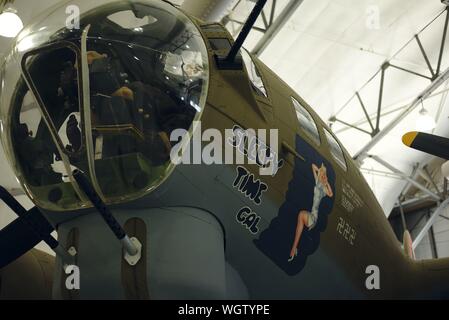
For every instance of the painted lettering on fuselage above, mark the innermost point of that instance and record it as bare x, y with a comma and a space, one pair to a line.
257, 151
249, 219
346, 231
247, 184
251, 187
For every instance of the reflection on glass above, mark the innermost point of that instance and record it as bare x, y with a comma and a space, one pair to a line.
147, 78
253, 73
111, 112
54, 75
336, 150
306, 122
133, 114
38, 156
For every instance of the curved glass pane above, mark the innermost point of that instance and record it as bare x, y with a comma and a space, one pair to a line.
136, 103
336, 150
111, 93
306, 122
38, 157
254, 75
54, 77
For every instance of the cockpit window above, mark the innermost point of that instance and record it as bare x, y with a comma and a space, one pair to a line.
306, 122
336, 150
105, 100
254, 74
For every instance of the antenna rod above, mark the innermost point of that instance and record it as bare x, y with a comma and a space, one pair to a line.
104, 211
246, 30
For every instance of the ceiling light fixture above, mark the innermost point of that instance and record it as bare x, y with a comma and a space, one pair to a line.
425, 122
10, 22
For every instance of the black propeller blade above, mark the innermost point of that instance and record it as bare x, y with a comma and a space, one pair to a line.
429, 143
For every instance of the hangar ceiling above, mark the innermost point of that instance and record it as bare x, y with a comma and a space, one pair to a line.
328, 50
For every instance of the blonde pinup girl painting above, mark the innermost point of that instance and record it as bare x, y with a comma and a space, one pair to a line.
310, 218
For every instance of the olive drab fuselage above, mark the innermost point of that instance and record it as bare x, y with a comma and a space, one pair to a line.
312, 229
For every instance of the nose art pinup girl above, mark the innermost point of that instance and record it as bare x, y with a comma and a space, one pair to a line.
310, 219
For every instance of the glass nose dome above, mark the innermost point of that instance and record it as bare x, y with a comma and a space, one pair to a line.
102, 96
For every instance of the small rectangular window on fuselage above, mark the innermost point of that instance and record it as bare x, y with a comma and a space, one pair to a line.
336, 150
220, 44
306, 122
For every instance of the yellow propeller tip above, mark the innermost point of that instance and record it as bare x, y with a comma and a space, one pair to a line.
409, 137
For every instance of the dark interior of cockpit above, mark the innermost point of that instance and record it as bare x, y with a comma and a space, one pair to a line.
135, 104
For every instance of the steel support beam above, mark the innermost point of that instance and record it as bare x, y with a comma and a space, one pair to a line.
445, 189
439, 211
441, 79
424, 172
403, 220
414, 176
406, 177
426, 58
442, 104
364, 111
273, 10
242, 24
415, 200
265, 20
436, 77
391, 109
276, 26
411, 72
443, 41
381, 93
423, 216
350, 125
380, 173
267, 23
433, 243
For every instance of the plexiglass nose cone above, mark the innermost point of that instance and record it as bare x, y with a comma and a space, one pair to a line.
103, 98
